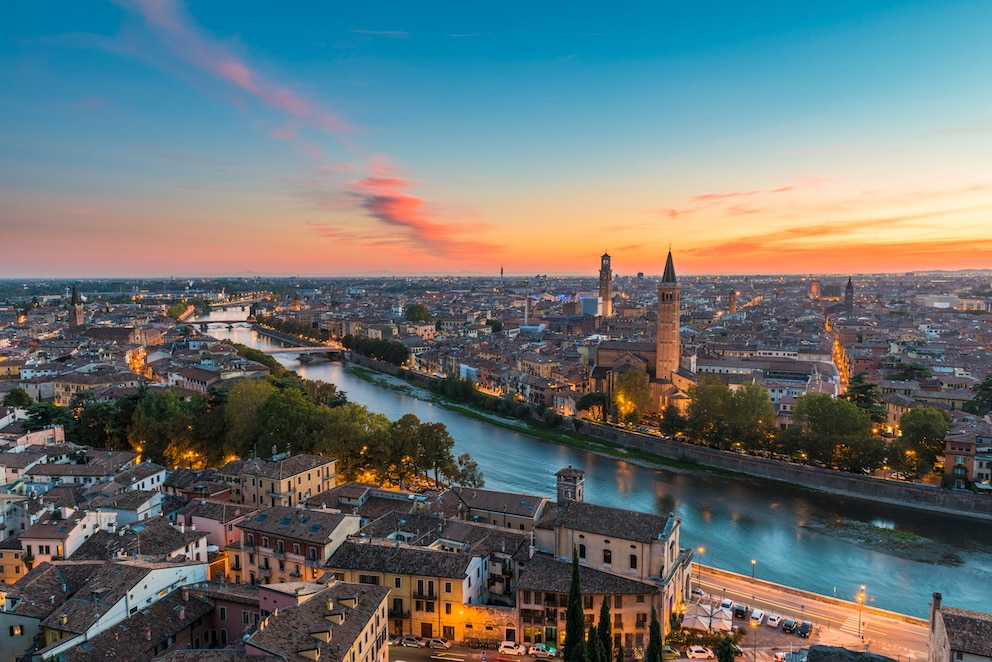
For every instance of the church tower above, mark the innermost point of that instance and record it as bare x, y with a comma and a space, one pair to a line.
606, 285
849, 295
571, 485
669, 344
75, 309
732, 301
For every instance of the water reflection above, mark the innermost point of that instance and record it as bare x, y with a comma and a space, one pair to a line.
787, 530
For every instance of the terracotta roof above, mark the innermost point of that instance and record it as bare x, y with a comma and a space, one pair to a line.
544, 573
296, 523
399, 559
291, 631
968, 631
612, 522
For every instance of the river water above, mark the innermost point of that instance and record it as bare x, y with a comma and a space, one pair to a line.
735, 521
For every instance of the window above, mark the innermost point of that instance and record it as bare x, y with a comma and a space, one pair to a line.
280, 546
587, 602
368, 579
607, 557
265, 541
447, 587
526, 597
223, 613
397, 582
640, 599
244, 617
251, 539
17, 630
447, 608
633, 561
296, 548
582, 551
618, 602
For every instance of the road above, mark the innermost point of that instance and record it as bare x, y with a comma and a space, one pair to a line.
840, 623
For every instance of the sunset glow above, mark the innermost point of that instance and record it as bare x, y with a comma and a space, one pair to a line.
161, 137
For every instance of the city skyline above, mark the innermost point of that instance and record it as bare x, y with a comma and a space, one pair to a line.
157, 137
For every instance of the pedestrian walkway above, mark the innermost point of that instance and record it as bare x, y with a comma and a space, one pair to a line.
853, 626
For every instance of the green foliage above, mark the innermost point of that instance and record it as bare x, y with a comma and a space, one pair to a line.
981, 400
866, 396
604, 631
923, 431
176, 310
910, 371
655, 641
632, 395
752, 416
42, 415
468, 473
594, 402
17, 397
295, 328
276, 369
390, 351
494, 324
575, 628
707, 415
417, 312
672, 421
724, 650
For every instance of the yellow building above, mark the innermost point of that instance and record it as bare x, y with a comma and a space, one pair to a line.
285, 482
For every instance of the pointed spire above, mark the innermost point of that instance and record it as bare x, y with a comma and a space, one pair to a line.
74, 301
669, 275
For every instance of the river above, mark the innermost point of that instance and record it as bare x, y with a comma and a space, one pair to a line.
735, 521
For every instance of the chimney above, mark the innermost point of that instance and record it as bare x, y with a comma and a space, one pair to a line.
185, 594
934, 608
148, 634
182, 613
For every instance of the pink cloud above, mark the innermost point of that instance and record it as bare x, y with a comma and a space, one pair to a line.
167, 21
739, 194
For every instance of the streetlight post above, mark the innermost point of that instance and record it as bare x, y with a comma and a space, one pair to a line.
754, 562
699, 567
754, 645
861, 611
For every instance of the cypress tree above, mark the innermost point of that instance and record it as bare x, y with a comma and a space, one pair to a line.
653, 652
575, 625
605, 630
594, 647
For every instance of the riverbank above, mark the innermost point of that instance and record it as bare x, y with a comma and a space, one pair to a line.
651, 451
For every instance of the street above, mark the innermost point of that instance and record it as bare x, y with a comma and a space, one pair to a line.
834, 623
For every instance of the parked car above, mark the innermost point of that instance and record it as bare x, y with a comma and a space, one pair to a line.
412, 640
789, 625
394, 639
773, 620
699, 652
438, 642
757, 616
805, 630
740, 611
727, 604
539, 651
699, 592
512, 648
669, 653
738, 651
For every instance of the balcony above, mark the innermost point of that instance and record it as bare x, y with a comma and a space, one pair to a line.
279, 554
394, 613
419, 595
265, 571
314, 563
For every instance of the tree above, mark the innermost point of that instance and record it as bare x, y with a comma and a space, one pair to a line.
494, 324
709, 407
417, 312
434, 446
284, 422
653, 652
981, 399
865, 395
42, 415
575, 624
594, 647
632, 395
604, 630
468, 473
176, 310
672, 421
724, 650
910, 372
17, 397
241, 415
923, 431
752, 415
594, 403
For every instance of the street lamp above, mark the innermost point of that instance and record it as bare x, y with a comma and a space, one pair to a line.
754, 562
861, 611
754, 650
699, 567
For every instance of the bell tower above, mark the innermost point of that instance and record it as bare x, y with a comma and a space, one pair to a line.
606, 285
76, 313
669, 351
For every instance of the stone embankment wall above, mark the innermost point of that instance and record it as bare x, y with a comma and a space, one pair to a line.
913, 495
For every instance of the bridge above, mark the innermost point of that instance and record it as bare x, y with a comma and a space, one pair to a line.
203, 324
237, 302
325, 349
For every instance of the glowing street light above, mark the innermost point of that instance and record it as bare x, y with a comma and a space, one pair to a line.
754, 651
754, 562
861, 611
699, 567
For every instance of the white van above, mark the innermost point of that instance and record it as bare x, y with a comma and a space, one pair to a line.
757, 616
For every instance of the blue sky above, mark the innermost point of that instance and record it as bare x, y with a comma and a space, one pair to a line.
162, 137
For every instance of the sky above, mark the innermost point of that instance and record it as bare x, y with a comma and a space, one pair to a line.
165, 137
